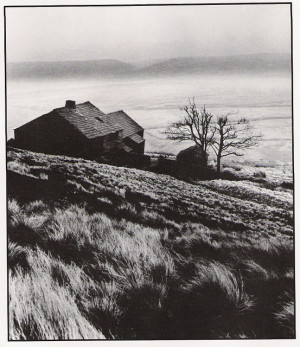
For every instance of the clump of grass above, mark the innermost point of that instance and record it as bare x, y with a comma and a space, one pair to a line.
216, 300
26, 229
259, 174
40, 309
36, 207
144, 312
285, 318
254, 271
17, 257
13, 209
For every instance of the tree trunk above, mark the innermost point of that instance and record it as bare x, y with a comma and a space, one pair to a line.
219, 155
205, 157
218, 163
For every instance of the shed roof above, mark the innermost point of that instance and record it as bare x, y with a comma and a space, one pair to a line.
136, 138
128, 125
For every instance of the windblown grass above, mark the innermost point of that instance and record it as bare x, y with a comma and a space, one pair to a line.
102, 252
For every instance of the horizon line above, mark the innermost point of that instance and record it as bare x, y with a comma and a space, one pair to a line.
150, 59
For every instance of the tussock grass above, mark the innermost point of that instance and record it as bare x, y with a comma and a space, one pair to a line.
17, 257
285, 318
104, 252
41, 309
216, 300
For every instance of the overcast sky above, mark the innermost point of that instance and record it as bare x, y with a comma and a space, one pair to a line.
142, 33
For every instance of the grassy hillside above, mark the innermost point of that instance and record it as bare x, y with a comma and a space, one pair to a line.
97, 251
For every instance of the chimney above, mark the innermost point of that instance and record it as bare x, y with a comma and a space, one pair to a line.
70, 104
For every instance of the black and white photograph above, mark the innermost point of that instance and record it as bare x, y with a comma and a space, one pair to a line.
149, 171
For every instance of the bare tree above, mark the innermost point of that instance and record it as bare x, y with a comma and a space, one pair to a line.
232, 138
195, 126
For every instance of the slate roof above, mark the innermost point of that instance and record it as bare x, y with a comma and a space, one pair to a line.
136, 138
92, 122
128, 125
89, 120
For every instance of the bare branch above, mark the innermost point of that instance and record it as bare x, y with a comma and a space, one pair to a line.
233, 137
223, 135
195, 126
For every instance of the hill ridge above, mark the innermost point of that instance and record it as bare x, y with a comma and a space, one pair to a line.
244, 63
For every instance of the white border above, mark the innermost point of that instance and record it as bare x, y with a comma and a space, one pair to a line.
3, 282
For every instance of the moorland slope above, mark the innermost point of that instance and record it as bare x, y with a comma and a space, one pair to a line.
97, 251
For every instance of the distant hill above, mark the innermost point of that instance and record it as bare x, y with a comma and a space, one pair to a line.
253, 63
236, 63
59, 69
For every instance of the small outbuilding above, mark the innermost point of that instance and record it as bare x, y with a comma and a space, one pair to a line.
192, 162
81, 130
192, 156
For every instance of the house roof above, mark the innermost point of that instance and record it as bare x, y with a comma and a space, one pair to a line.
92, 122
128, 125
89, 120
136, 138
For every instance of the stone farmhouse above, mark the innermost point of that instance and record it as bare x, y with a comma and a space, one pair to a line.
81, 130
